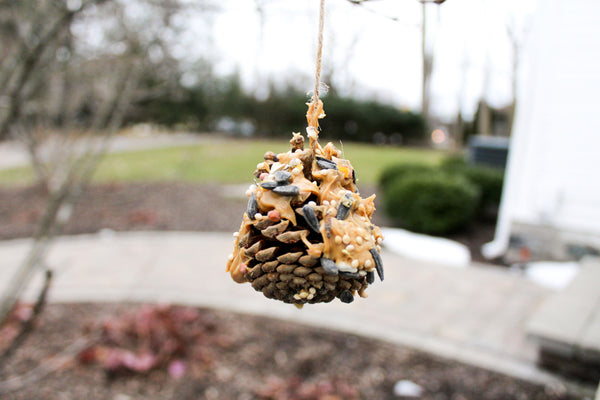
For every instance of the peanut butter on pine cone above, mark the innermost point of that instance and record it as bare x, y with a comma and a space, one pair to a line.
306, 234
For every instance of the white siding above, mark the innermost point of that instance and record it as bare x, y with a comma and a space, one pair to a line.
553, 174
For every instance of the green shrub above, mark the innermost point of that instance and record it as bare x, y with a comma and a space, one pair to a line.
359, 120
399, 171
433, 203
489, 181
452, 163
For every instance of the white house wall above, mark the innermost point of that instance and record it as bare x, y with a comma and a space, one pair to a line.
553, 173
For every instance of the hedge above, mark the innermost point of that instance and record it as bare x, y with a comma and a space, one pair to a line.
433, 203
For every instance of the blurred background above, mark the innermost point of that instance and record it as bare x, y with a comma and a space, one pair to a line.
221, 65
130, 130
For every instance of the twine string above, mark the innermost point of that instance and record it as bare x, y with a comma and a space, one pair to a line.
315, 107
319, 52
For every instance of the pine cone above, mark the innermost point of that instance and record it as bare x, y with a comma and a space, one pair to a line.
306, 235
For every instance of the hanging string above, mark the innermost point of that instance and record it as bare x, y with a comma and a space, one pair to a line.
319, 51
315, 107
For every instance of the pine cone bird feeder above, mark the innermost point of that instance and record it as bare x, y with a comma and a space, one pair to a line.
306, 235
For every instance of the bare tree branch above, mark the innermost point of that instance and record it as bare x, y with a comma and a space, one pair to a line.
29, 63
77, 175
47, 367
102, 87
28, 325
362, 3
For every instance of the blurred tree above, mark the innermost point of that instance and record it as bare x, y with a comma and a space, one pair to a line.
69, 73
427, 54
427, 69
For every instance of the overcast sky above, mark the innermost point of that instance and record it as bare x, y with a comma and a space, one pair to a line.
372, 55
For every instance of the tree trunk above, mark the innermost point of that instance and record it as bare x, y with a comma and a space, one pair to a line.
427, 69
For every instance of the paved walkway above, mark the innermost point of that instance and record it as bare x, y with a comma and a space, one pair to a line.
476, 314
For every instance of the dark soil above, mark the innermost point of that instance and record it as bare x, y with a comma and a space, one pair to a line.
247, 358
165, 206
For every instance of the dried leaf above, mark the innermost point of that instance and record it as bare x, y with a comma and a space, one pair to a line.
177, 369
155, 336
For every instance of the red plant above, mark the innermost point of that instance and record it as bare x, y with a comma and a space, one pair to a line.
295, 388
152, 337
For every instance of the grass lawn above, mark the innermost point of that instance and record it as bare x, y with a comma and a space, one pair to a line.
228, 161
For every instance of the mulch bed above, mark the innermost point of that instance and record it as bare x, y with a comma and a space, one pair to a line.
165, 206
246, 357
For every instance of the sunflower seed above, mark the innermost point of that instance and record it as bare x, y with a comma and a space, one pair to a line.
345, 205
329, 266
351, 275
268, 185
324, 163
282, 177
370, 277
346, 297
252, 207
287, 190
378, 263
310, 217
328, 228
